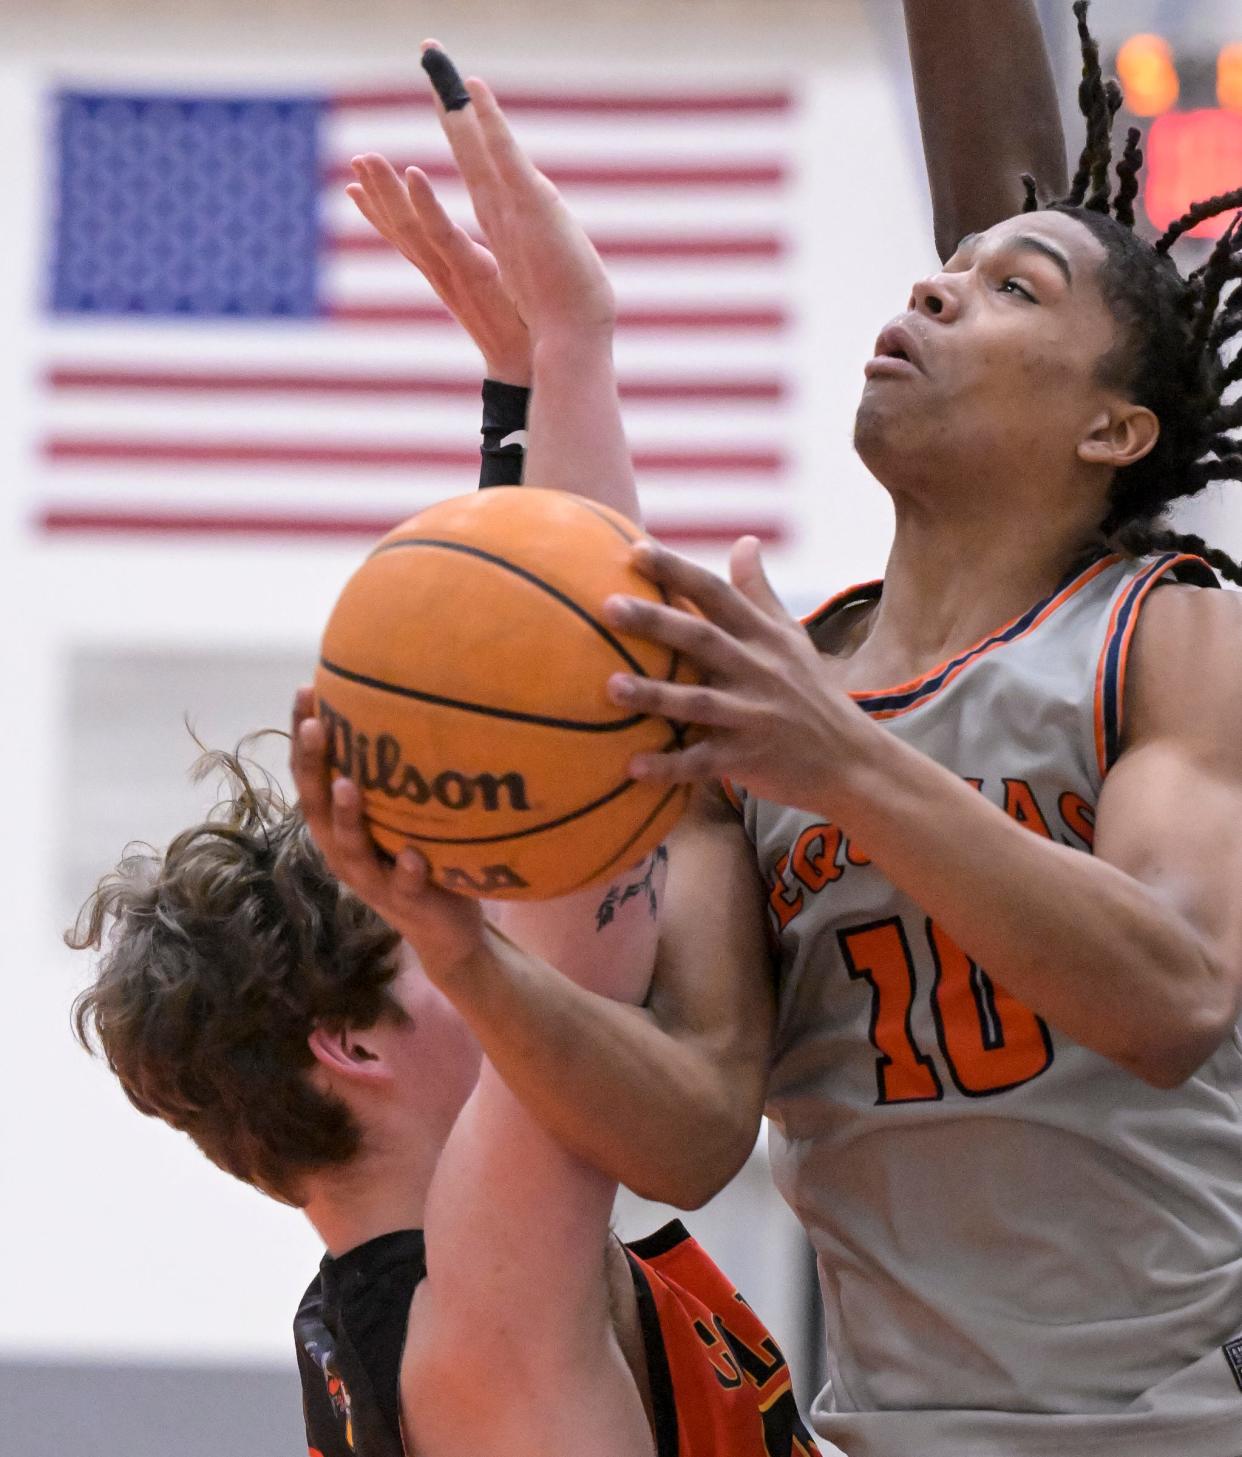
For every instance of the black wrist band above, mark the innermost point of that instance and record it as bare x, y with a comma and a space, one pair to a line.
504, 417
444, 77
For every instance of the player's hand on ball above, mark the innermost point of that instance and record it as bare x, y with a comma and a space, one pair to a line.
444, 929
463, 273
776, 724
547, 262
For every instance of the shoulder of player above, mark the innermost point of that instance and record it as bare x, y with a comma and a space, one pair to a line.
1184, 677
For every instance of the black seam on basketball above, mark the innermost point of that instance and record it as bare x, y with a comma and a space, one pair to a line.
573, 725
498, 561
608, 521
675, 657
638, 833
576, 814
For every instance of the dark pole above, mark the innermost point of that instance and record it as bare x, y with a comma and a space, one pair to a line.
812, 1369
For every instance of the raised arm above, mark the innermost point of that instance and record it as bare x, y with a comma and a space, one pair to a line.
559, 287
511, 1345
407, 213
537, 301
666, 1099
987, 109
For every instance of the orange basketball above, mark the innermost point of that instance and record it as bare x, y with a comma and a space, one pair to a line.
462, 685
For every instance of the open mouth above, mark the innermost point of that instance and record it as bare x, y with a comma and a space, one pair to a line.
892, 361
895, 352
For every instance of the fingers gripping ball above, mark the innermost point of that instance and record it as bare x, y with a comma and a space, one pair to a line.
462, 686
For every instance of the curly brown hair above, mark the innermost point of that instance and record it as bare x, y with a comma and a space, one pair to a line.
219, 957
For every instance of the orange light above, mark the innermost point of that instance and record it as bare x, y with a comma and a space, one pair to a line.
1192, 155
1229, 78
1148, 75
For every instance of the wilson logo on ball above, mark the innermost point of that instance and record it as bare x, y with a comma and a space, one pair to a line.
380, 765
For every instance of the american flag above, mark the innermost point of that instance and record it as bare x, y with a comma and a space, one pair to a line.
229, 349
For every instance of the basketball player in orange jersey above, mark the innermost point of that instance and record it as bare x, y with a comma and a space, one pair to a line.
1022, 1182
472, 1298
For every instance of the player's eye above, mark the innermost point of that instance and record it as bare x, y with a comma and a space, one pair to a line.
1011, 285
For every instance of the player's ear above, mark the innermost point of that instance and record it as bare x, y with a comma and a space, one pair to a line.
346, 1052
1120, 436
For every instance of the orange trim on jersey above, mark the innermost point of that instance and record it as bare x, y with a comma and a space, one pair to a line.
936, 679
838, 599
731, 794
1110, 674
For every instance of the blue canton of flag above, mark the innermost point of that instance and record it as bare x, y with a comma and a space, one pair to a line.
200, 206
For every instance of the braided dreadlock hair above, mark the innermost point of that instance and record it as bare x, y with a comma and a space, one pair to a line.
1176, 358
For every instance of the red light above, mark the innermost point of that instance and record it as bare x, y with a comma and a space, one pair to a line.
1192, 155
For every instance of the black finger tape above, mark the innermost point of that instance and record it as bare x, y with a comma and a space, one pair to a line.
445, 78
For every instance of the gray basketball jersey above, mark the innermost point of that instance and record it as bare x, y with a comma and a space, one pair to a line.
1023, 1249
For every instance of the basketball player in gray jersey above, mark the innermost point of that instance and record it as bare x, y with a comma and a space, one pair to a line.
996, 802
989, 810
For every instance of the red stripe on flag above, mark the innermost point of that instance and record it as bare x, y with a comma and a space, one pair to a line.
312, 382
368, 457
609, 174
764, 316
586, 103
705, 247
64, 520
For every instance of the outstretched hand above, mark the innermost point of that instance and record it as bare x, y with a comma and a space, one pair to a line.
463, 273
444, 929
777, 725
548, 265
540, 276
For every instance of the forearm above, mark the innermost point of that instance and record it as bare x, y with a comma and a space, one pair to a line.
988, 110
602, 1076
1093, 950
576, 441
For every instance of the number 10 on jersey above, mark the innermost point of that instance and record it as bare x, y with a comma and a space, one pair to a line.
990, 1041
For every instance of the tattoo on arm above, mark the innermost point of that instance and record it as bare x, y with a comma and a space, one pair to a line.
618, 895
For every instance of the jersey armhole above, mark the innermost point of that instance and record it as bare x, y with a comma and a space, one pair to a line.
1110, 677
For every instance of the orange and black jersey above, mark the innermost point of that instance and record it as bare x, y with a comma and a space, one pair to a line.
720, 1386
